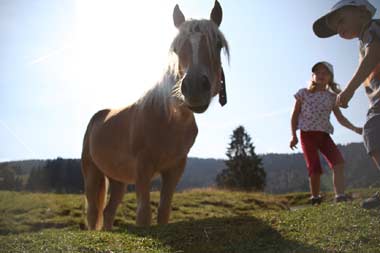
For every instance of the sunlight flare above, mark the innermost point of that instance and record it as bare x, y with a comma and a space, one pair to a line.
122, 48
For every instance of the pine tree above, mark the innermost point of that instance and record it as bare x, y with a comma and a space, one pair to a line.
9, 180
244, 168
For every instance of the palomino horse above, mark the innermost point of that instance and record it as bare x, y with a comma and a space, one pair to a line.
154, 135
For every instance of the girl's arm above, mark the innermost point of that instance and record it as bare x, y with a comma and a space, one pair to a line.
294, 122
366, 66
345, 122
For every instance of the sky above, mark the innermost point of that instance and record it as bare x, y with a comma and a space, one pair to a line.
62, 61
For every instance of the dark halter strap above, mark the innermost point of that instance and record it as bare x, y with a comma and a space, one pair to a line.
222, 91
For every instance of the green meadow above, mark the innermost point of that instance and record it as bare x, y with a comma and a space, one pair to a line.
202, 220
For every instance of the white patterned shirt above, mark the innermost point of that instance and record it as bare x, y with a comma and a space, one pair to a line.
316, 108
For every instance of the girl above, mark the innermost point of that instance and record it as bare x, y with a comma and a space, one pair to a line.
311, 115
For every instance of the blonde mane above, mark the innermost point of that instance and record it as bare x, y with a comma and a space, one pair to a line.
161, 96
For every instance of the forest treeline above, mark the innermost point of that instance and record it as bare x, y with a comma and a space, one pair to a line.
284, 173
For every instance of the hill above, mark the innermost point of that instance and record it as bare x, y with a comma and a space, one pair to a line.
285, 172
204, 220
22, 167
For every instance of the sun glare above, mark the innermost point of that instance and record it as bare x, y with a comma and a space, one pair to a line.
122, 48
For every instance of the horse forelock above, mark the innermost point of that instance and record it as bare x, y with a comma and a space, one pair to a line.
205, 27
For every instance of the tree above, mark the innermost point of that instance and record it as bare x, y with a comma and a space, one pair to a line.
244, 168
9, 180
37, 181
57, 175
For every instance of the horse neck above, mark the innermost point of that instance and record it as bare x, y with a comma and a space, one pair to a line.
160, 101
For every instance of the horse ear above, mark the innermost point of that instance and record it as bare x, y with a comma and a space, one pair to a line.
216, 13
178, 16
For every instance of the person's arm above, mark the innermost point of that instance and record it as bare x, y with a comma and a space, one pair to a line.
366, 66
294, 122
345, 122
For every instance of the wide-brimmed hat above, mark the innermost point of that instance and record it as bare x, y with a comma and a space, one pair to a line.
329, 66
323, 30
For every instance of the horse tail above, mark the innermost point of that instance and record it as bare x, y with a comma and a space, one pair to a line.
102, 199
95, 182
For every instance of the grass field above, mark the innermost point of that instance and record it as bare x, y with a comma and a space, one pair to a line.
205, 220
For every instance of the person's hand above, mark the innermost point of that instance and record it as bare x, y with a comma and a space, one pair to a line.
293, 142
358, 130
343, 98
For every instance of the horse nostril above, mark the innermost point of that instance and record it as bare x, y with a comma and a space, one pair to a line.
206, 86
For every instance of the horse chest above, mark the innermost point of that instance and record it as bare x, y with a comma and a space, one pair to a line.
165, 144
176, 141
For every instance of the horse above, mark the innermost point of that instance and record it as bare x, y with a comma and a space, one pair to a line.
153, 136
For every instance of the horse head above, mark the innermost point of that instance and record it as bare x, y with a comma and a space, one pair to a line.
198, 47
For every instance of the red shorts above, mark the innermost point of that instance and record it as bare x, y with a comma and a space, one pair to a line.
311, 142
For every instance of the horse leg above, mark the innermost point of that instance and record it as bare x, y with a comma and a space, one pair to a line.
169, 180
117, 190
96, 190
143, 212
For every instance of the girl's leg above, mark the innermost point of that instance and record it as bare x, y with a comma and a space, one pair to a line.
371, 137
309, 144
338, 179
315, 184
374, 201
336, 162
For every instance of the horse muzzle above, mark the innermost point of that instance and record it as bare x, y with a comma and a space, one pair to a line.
196, 90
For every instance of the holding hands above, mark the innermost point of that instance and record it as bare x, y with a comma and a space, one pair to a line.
344, 97
342, 100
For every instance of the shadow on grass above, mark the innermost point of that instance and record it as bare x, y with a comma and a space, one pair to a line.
229, 234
